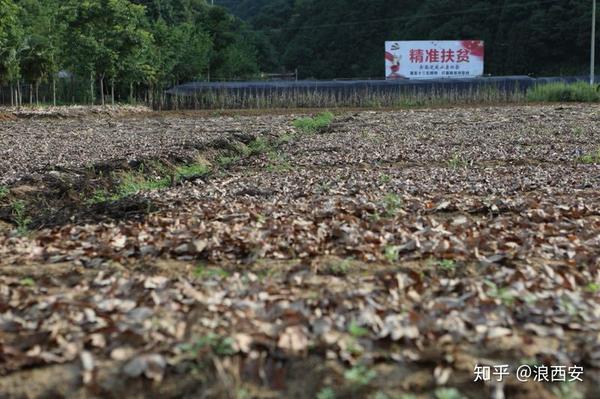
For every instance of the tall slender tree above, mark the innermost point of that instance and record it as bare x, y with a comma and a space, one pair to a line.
11, 48
42, 29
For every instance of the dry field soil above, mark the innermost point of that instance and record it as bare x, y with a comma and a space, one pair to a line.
237, 255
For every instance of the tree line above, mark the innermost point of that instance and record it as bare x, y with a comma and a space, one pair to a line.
345, 38
120, 48
127, 49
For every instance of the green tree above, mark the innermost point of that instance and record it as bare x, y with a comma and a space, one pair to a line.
11, 48
103, 36
196, 41
180, 53
42, 41
184, 51
234, 53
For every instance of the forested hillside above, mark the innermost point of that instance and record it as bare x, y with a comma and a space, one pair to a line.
344, 38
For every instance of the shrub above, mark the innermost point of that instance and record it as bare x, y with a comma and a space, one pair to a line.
19, 213
134, 182
191, 170
312, 125
227, 161
326, 393
391, 253
564, 92
446, 264
3, 192
257, 146
591, 158
359, 375
457, 161
340, 267
392, 203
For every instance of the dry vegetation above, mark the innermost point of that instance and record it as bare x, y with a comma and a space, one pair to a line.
381, 255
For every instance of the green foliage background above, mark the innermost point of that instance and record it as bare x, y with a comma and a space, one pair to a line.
344, 38
152, 44
122, 43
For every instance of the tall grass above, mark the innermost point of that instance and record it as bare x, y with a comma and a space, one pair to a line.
563, 92
77, 92
359, 98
